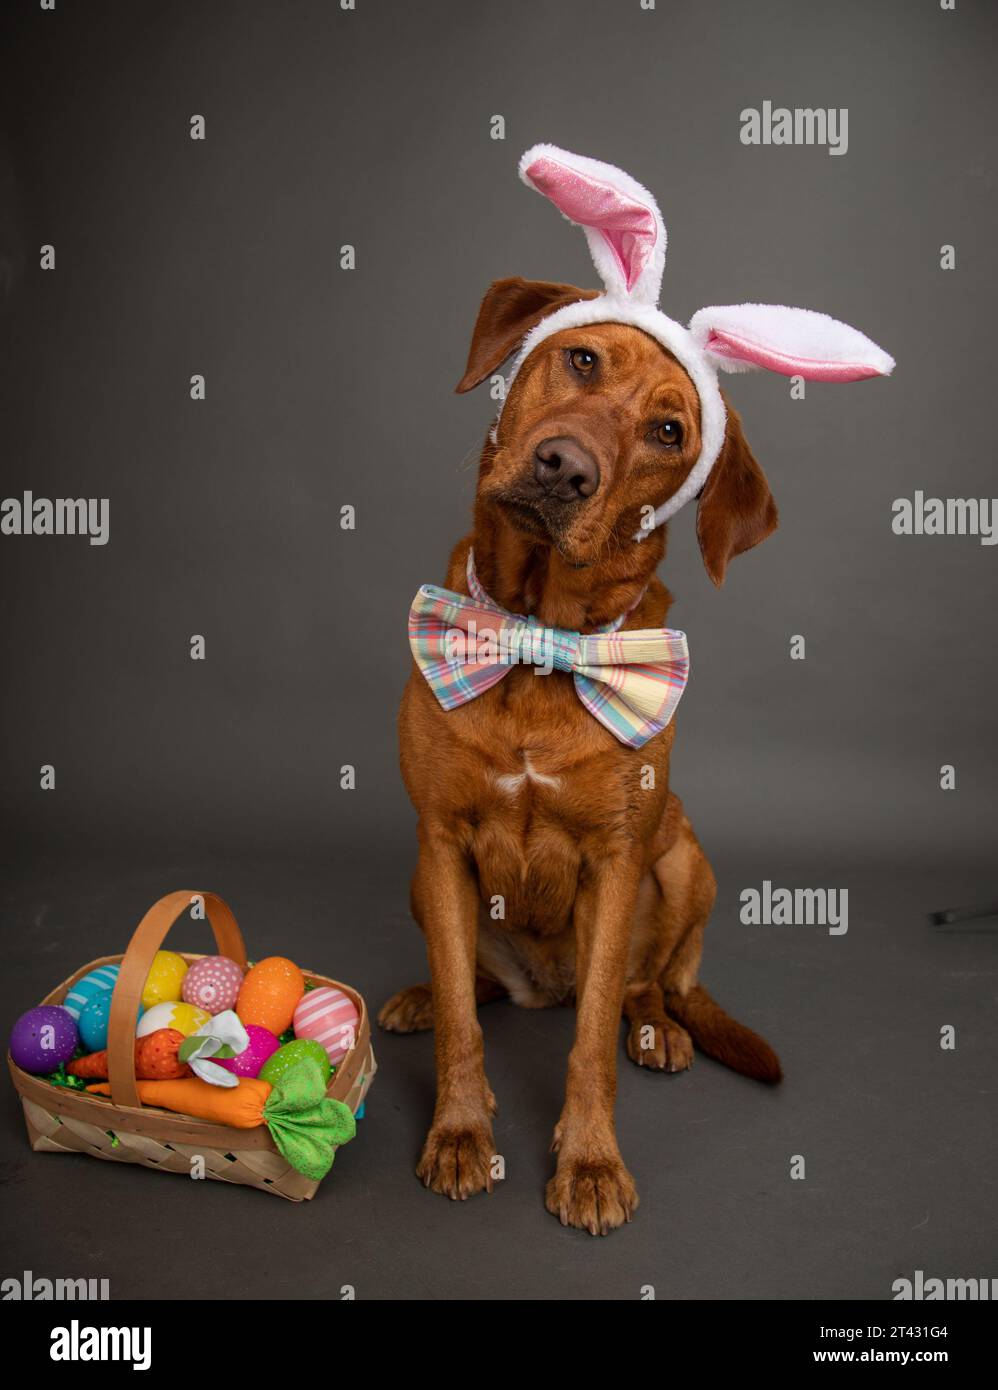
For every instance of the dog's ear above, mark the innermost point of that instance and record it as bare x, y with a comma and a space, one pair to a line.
736, 508
509, 311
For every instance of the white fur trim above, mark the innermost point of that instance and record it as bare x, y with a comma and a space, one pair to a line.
677, 340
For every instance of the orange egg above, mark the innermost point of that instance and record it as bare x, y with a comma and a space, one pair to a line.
269, 994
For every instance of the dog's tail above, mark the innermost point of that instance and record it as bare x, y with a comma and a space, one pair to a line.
721, 1037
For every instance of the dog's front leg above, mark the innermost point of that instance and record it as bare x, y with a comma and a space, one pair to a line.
459, 1151
591, 1187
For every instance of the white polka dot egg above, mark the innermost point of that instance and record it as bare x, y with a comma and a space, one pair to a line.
213, 983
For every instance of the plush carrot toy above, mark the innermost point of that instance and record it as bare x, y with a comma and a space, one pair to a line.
155, 1059
307, 1125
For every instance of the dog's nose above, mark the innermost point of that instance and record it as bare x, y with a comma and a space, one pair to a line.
565, 469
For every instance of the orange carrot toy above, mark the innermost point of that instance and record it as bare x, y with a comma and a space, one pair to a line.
155, 1058
240, 1105
307, 1125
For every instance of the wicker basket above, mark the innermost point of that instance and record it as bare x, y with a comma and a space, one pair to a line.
123, 1130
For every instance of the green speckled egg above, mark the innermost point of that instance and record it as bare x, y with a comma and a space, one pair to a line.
286, 1056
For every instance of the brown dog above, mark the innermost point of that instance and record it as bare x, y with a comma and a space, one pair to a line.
524, 798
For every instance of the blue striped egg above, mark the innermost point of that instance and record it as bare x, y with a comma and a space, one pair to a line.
103, 978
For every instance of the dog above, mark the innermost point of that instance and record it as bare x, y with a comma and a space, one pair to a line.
556, 864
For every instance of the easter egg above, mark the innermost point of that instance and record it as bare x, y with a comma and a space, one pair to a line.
275, 1067
269, 994
43, 1038
329, 1017
172, 1014
165, 979
99, 981
262, 1044
213, 983
94, 1020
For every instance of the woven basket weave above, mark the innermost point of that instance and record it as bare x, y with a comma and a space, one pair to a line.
121, 1129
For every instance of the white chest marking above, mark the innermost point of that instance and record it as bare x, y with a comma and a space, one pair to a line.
511, 782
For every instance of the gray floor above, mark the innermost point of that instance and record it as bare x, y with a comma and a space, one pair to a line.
898, 1136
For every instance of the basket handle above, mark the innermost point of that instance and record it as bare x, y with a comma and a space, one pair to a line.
136, 963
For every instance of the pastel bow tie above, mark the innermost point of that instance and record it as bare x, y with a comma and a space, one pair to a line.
630, 681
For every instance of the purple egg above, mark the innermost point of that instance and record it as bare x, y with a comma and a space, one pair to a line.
262, 1044
42, 1038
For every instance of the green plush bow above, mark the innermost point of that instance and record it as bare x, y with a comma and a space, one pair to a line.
307, 1125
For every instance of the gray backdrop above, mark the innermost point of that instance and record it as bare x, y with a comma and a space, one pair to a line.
327, 387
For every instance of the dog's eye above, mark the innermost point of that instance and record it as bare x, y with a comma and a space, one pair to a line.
582, 360
670, 433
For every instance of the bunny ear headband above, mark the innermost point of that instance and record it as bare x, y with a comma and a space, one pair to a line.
626, 237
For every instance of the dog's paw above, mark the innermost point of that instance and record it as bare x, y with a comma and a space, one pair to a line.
409, 1011
458, 1162
670, 1049
593, 1194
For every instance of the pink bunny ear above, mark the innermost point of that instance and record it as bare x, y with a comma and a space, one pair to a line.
793, 342
621, 219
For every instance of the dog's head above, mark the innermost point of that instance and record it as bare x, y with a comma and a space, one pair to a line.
601, 426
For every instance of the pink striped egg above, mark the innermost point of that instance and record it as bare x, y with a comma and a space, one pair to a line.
329, 1017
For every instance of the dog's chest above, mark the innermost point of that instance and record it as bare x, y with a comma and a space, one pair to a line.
544, 756
511, 784
527, 853
535, 789
548, 793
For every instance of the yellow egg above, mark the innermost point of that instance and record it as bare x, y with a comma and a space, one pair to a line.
165, 980
186, 1018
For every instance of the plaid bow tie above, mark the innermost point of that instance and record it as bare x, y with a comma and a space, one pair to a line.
630, 681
